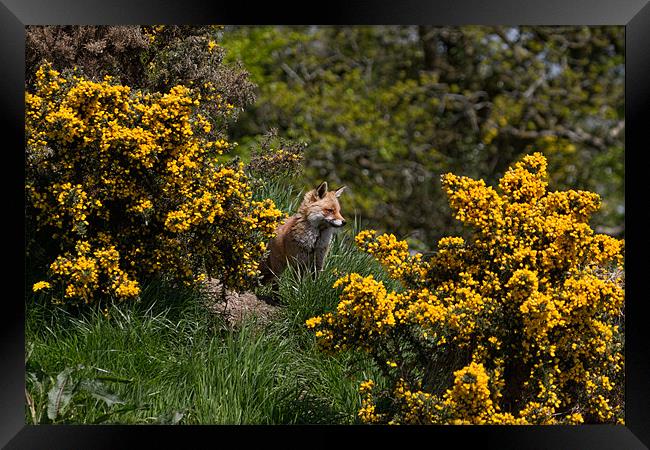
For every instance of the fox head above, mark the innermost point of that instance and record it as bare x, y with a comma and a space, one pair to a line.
321, 207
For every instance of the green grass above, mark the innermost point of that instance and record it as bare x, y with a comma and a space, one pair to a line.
193, 366
168, 360
286, 198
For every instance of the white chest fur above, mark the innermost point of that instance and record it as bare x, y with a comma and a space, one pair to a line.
310, 237
324, 238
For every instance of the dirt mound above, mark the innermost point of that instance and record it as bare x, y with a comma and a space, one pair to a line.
238, 306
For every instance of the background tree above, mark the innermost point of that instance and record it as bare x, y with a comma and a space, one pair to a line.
387, 110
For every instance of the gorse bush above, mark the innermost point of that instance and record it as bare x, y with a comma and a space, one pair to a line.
521, 324
123, 184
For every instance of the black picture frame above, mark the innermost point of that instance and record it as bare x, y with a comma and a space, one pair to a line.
633, 14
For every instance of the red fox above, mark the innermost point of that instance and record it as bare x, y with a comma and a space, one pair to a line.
305, 237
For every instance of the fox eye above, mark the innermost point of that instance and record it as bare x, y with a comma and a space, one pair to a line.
329, 210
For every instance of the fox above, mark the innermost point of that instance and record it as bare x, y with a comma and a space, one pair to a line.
304, 238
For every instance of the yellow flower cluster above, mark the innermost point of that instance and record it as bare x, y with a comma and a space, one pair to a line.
393, 254
468, 402
138, 178
82, 273
413, 406
41, 285
528, 313
363, 315
367, 412
470, 397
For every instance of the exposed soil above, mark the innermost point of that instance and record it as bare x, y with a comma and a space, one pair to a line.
238, 306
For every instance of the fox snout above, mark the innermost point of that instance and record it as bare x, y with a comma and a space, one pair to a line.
337, 222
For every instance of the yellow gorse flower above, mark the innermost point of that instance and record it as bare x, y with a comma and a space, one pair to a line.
41, 285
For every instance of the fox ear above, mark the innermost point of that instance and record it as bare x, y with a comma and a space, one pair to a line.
340, 190
321, 190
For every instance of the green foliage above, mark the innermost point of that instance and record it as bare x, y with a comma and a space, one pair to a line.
66, 397
387, 109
